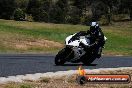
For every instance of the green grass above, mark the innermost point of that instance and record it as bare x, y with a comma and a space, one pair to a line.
119, 36
18, 85
54, 32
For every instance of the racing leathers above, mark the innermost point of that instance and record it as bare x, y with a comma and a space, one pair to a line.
96, 42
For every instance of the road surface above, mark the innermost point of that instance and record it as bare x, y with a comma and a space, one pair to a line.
11, 65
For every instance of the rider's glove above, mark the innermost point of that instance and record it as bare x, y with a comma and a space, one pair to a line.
81, 44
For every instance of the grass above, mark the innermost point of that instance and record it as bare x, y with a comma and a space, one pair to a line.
17, 85
45, 80
13, 33
119, 40
49, 31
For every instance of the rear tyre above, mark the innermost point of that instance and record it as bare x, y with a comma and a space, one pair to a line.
87, 60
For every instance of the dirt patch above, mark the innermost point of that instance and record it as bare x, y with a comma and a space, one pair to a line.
36, 43
113, 53
23, 43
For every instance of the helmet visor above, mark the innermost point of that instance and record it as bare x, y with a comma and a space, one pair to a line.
92, 30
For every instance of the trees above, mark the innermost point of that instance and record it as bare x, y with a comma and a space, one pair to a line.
19, 15
99, 9
21, 4
65, 11
109, 5
126, 5
39, 9
20, 10
130, 9
7, 8
81, 5
73, 16
59, 11
33, 8
56, 14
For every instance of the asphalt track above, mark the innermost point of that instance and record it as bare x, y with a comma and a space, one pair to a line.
20, 64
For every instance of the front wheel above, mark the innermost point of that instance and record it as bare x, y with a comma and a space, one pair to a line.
60, 58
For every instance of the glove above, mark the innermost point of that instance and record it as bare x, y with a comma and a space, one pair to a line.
81, 44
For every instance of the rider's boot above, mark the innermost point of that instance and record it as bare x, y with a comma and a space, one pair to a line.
99, 52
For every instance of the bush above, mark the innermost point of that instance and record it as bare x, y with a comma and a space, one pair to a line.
73, 16
56, 15
29, 18
87, 20
19, 15
82, 19
7, 8
42, 15
103, 20
73, 19
120, 17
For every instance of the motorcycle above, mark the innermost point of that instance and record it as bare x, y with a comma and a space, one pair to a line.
73, 52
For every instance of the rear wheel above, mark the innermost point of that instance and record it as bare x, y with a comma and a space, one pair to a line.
86, 59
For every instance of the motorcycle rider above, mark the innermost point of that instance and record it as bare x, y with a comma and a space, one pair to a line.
96, 39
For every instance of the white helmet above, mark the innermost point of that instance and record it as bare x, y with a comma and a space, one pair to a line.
94, 24
93, 27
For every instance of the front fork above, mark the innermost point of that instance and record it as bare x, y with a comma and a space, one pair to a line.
71, 52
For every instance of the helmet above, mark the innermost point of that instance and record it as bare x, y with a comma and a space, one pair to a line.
93, 27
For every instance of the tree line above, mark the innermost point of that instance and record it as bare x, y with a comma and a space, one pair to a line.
66, 11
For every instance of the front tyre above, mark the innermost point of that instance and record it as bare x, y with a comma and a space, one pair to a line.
60, 58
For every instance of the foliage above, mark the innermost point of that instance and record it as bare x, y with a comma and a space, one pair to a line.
21, 4
7, 8
58, 11
73, 15
19, 14
103, 20
66, 11
29, 18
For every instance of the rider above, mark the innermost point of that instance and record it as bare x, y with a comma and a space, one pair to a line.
96, 39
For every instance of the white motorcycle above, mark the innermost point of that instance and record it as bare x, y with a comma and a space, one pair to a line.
73, 52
